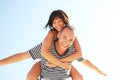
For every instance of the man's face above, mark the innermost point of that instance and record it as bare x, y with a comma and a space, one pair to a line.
65, 39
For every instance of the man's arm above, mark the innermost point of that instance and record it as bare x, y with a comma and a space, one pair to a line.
87, 63
15, 58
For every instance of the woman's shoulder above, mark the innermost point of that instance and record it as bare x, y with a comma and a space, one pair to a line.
51, 32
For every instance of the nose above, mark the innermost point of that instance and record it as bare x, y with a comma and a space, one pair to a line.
57, 24
66, 43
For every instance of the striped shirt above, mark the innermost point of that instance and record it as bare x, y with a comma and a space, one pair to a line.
48, 73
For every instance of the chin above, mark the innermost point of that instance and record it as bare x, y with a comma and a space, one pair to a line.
64, 49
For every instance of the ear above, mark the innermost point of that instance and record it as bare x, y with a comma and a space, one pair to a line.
58, 35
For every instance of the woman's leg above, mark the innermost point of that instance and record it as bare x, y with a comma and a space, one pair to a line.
75, 75
34, 73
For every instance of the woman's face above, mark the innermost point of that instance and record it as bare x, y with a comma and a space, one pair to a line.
58, 24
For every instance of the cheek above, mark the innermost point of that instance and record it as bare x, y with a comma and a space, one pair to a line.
70, 43
62, 24
60, 40
53, 25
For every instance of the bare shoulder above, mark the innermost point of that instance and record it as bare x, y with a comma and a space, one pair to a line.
76, 43
49, 38
50, 34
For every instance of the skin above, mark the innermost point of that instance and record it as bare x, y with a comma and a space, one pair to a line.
64, 40
58, 24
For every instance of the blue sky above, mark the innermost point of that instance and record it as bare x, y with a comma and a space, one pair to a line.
97, 28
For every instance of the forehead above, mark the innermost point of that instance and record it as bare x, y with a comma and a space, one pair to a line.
67, 32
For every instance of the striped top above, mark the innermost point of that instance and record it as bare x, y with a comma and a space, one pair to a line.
48, 73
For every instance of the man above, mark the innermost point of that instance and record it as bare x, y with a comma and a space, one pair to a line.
60, 48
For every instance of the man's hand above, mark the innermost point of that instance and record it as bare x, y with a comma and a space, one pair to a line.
100, 72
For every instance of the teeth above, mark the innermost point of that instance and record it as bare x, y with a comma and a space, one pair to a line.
58, 27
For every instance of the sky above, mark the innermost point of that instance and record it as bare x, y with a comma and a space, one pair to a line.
97, 25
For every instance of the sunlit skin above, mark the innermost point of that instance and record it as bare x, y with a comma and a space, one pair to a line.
58, 24
66, 39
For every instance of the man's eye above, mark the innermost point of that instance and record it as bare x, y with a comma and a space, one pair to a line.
64, 37
70, 40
